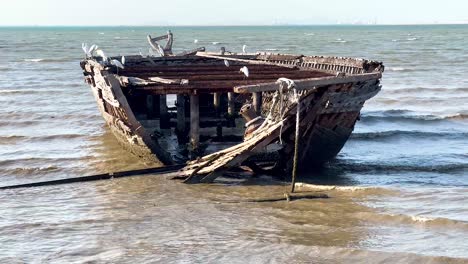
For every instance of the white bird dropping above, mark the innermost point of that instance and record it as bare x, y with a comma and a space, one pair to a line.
226, 62
243, 48
245, 71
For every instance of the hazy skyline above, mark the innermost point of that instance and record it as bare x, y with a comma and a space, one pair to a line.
222, 12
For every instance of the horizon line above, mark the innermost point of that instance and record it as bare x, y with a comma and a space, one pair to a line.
245, 25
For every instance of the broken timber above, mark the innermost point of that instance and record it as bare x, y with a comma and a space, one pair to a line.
136, 103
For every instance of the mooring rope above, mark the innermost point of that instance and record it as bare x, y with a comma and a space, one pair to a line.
288, 85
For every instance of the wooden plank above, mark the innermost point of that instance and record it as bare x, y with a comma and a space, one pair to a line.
194, 122
236, 75
307, 84
198, 67
217, 102
258, 62
231, 107
181, 120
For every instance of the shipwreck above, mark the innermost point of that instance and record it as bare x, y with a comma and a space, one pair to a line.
213, 111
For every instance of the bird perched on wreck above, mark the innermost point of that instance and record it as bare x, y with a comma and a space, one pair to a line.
101, 53
226, 62
244, 48
117, 63
89, 52
245, 71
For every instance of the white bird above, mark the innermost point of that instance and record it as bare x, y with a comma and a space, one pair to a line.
195, 41
226, 62
84, 46
243, 48
245, 71
92, 49
117, 64
101, 53
123, 60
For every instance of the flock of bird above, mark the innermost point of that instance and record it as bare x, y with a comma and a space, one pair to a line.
90, 51
99, 52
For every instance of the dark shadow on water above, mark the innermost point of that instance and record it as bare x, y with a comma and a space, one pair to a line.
329, 174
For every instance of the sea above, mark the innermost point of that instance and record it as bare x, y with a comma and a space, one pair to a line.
398, 190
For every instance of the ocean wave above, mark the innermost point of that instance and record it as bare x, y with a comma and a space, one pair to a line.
307, 186
375, 167
398, 69
31, 170
274, 49
11, 139
9, 164
426, 221
403, 133
19, 123
42, 60
339, 40
33, 60
18, 138
427, 89
405, 115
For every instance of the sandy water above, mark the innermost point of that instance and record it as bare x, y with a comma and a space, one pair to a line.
405, 169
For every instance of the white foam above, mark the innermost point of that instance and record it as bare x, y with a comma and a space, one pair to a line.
331, 187
421, 219
396, 69
33, 60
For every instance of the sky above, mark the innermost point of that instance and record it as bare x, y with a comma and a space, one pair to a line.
228, 12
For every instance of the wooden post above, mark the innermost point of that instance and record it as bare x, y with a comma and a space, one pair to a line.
217, 102
231, 104
231, 109
194, 122
163, 113
181, 120
257, 102
149, 106
217, 107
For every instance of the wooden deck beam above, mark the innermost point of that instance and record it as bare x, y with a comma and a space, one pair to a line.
236, 75
307, 84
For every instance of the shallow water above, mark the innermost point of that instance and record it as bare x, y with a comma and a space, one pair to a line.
405, 168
